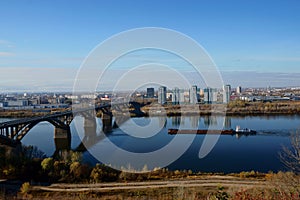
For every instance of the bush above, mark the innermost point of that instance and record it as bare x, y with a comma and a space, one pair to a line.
283, 185
127, 176
220, 194
251, 174
79, 172
47, 164
102, 173
25, 188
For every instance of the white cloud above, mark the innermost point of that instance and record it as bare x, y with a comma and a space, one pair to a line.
6, 54
6, 43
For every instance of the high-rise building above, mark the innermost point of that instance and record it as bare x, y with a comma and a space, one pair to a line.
210, 95
193, 95
226, 93
150, 92
162, 93
206, 95
239, 90
176, 96
183, 96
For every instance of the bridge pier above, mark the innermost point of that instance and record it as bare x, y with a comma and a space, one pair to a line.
90, 133
62, 138
120, 119
106, 122
7, 131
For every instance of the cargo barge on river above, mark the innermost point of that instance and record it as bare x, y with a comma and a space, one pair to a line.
237, 131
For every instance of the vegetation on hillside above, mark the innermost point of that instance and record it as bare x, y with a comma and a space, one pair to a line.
31, 166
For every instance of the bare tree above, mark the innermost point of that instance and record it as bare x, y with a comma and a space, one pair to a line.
32, 152
290, 157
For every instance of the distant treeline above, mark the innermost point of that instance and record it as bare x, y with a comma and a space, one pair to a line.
237, 107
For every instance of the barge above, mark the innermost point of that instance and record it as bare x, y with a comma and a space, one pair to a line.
238, 131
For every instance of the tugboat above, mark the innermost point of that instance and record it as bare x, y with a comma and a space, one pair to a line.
244, 131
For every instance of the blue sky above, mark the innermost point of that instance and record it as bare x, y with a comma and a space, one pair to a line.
260, 36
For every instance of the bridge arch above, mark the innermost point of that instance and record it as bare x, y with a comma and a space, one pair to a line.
26, 128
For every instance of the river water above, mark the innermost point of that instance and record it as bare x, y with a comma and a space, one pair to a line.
258, 152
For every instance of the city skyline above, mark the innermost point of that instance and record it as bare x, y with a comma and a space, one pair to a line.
43, 44
162, 96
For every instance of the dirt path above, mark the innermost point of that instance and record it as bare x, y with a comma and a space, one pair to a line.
211, 181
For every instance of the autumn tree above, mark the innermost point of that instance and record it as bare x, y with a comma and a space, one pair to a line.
290, 157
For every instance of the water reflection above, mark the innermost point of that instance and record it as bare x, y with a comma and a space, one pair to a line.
259, 152
210, 120
195, 121
162, 121
176, 120
227, 123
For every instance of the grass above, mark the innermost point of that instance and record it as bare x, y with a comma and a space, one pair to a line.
273, 186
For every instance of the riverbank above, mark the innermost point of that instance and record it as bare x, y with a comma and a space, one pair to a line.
27, 113
234, 108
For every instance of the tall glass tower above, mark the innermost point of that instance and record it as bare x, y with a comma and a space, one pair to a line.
162, 95
226, 93
193, 95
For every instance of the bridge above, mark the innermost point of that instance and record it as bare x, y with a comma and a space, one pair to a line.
12, 132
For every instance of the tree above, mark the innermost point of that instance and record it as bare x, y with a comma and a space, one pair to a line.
290, 157
102, 173
69, 157
31, 152
47, 164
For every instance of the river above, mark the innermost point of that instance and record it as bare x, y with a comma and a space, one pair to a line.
258, 152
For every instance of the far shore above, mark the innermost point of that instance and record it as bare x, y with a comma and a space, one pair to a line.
234, 108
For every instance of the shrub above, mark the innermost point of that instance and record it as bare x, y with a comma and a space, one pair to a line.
220, 194
102, 173
25, 188
47, 164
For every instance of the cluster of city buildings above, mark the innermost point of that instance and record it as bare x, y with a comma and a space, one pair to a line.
47, 100
162, 95
268, 94
226, 94
193, 95
32, 101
